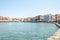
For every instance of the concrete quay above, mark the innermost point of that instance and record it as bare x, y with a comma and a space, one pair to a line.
56, 35
58, 25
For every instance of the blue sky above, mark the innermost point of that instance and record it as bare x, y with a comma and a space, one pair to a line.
28, 8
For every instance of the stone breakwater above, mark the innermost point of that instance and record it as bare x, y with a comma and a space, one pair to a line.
55, 36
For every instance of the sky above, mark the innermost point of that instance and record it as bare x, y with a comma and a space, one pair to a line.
28, 8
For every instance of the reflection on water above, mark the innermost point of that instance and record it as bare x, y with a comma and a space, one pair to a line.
26, 31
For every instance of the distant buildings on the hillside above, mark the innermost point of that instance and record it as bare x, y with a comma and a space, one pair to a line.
37, 18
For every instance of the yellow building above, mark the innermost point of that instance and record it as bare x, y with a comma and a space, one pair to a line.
53, 18
57, 16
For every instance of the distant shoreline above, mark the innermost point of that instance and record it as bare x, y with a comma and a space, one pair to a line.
28, 22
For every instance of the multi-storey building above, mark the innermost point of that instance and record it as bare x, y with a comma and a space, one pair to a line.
37, 18
33, 19
28, 19
57, 17
53, 18
4, 18
47, 17
1, 17
41, 18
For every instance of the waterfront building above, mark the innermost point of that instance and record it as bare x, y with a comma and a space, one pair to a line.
10, 19
50, 17
37, 18
33, 19
15, 19
28, 19
47, 17
1, 17
41, 17
4, 18
22, 19
53, 18
57, 16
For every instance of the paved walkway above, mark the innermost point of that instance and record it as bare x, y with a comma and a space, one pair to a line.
56, 36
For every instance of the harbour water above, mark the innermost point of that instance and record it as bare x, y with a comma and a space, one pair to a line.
26, 31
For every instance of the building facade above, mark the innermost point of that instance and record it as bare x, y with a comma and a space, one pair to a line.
47, 17
28, 19
1, 17
53, 18
57, 16
33, 19
37, 18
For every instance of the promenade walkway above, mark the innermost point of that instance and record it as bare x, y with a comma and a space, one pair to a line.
56, 35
